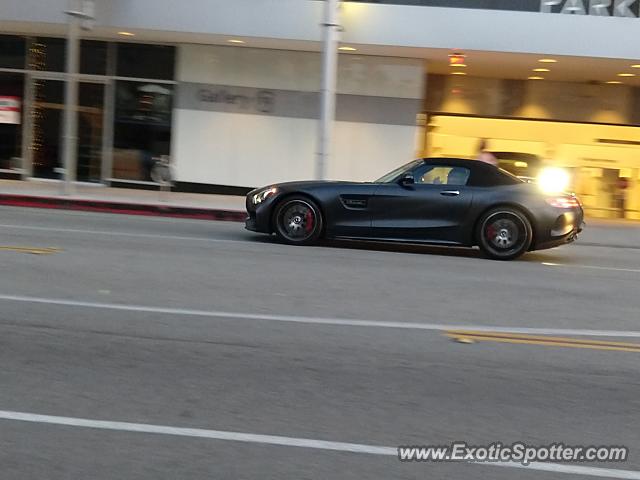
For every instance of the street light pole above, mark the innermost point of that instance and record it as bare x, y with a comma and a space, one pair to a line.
70, 127
81, 14
328, 89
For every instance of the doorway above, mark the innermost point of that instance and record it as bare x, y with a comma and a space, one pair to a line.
47, 130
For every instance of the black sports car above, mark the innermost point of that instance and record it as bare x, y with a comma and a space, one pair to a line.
443, 201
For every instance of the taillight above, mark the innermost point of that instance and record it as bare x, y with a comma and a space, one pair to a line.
565, 201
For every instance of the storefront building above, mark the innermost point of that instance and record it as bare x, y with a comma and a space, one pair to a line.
124, 107
229, 90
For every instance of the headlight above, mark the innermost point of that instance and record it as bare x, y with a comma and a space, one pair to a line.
553, 180
262, 195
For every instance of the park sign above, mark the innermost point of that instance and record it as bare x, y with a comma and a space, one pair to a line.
602, 8
9, 110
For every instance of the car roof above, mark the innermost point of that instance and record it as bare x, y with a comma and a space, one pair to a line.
457, 162
516, 156
482, 173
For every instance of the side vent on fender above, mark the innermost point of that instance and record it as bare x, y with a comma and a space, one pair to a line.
354, 202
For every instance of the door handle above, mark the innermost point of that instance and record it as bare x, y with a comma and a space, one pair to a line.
450, 193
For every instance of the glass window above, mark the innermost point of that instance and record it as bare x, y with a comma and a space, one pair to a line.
11, 120
394, 174
442, 175
93, 57
47, 54
12, 51
48, 108
90, 117
142, 128
145, 61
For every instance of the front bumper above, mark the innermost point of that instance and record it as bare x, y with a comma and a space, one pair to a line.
259, 216
250, 223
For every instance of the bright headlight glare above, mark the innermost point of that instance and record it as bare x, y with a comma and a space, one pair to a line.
262, 195
553, 180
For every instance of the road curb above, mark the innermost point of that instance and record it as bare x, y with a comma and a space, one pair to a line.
122, 208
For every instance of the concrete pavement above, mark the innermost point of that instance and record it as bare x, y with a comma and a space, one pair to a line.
77, 344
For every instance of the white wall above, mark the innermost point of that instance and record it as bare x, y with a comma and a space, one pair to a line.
253, 150
366, 151
241, 150
299, 71
249, 67
250, 149
368, 24
491, 30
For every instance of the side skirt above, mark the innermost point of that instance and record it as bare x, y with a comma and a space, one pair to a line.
402, 240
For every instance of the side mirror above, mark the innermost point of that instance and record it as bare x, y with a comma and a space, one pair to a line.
407, 179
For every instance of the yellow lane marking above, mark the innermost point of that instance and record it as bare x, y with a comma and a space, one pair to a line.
469, 336
32, 250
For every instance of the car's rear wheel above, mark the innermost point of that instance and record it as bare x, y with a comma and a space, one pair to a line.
504, 233
298, 221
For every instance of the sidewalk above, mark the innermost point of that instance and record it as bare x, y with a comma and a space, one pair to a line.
49, 194
98, 198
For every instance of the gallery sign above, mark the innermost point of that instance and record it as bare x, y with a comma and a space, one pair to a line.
246, 100
229, 99
10, 110
261, 101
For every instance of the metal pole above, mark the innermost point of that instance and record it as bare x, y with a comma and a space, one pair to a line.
328, 89
70, 127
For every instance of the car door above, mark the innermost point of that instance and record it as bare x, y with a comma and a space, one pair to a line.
434, 208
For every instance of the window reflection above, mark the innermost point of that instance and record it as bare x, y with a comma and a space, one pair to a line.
48, 54
142, 128
12, 51
93, 57
145, 61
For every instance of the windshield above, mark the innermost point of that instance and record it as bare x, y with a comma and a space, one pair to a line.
393, 175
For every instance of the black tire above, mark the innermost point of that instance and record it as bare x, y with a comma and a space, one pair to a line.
504, 233
298, 221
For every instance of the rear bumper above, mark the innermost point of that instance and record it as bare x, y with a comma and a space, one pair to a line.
563, 227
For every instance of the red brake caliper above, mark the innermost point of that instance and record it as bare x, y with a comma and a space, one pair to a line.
491, 232
308, 221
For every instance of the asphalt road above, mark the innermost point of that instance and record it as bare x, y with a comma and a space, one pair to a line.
203, 326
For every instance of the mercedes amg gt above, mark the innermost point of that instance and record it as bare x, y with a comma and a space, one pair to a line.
443, 201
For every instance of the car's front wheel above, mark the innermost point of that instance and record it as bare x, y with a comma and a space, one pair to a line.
298, 221
504, 233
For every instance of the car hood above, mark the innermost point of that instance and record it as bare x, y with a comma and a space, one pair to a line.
306, 184
313, 183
